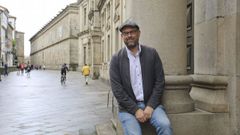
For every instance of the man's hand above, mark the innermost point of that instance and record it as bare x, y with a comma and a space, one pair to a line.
148, 112
140, 116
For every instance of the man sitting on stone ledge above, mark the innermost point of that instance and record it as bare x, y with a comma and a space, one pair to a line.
137, 81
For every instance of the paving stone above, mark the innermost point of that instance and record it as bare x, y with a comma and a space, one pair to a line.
40, 105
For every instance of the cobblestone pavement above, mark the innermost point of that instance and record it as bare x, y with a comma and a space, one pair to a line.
40, 105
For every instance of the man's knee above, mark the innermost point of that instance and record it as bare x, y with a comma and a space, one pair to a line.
129, 124
160, 119
164, 124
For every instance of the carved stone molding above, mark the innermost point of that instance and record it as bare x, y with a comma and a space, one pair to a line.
176, 98
209, 93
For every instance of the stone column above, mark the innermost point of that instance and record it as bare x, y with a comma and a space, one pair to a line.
213, 60
164, 28
95, 45
237, 75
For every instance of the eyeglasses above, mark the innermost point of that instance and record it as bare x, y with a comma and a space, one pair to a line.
132, 32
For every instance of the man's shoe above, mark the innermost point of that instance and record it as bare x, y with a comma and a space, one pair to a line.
86, 83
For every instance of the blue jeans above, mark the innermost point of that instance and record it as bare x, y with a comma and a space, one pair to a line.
159, 121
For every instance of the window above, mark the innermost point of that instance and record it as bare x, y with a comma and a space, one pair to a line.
190, 43
109, 48
102, 20
84, 55
116, 40
108, 10
85, 16
102, 51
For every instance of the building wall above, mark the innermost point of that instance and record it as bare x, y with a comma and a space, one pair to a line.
20, 46
160, 30
217, 54
164, 28
9, 46
119, 11
110, 18
3, 31
208, 98
89, 36
56, 43
7, 32
54, 56
236, 76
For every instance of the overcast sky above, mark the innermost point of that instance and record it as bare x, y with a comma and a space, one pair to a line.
32, 15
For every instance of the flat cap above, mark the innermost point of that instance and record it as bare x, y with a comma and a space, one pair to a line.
128, 23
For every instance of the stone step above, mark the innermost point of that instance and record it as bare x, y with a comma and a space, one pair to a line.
89, 131
106, 129
197, 122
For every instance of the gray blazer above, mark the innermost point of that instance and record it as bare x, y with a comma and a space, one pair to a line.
152, 75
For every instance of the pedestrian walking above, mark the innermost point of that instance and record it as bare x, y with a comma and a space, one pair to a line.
5, 69
86, 73
18, 69
22, 68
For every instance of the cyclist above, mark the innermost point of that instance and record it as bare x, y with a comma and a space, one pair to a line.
28, 70
64, 70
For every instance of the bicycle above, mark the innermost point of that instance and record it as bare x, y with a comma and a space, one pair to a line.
28, 74
63, 79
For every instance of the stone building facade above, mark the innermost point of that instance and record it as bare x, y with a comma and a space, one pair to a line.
89, 36
57, 42
20, 46
193, 39
215, 86
7, 37
198, 42
110, 12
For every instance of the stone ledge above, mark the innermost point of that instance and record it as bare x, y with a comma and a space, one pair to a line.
198, 122
176, 98
210, 81
209, 93
105, 129
210, 100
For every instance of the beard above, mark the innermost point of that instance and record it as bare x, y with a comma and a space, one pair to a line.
131, 45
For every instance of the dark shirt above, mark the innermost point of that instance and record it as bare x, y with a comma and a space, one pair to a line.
64, 69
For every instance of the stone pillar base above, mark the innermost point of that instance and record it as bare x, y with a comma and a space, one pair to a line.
209, 93
200, 123
176, 97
